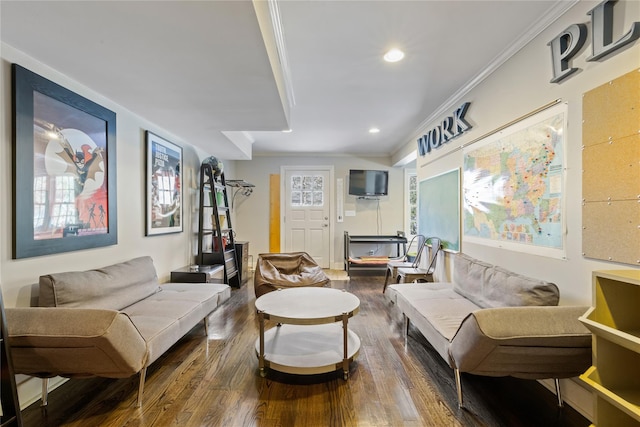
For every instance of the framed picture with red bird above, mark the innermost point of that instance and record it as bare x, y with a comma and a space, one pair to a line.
64, 169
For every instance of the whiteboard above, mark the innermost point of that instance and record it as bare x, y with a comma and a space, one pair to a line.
439, 208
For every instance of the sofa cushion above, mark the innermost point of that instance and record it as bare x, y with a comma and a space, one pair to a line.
74, 342
112, 287
445, 316
491, 286
164, 317
468, 276
526, 342
435, 309
508, 289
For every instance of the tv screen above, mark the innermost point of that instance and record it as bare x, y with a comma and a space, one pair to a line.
368, 182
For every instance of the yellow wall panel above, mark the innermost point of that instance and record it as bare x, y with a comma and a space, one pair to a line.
612, 170
274, 213
612, 111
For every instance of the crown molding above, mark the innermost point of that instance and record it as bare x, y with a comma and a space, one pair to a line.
552, 15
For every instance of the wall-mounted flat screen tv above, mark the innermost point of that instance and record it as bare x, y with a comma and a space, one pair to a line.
368, 182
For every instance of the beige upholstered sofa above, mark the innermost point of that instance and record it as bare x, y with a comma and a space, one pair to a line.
491, 321
110, 322
287, 270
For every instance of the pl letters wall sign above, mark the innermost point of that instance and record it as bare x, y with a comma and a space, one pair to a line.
451, 127
568, 43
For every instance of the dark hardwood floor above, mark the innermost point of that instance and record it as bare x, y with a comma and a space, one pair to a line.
214, 381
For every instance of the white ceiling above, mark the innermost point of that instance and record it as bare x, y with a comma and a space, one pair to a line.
209, 72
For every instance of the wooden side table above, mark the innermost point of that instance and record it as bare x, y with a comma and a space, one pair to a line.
242, 256
199, 274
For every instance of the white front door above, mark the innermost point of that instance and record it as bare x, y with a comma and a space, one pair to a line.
307, 211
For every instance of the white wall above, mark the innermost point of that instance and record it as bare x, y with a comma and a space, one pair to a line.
18, 278
518, 87
169, 251
522, 85
252, 213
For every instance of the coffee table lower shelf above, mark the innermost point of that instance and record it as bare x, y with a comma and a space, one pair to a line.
308, 349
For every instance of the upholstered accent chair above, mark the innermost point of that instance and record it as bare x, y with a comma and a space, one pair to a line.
287, 270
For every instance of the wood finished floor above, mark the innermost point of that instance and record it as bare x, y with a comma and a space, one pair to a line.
214, 381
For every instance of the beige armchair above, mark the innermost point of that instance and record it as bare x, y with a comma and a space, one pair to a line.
287, 270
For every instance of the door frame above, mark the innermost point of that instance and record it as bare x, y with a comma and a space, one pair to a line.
330, 198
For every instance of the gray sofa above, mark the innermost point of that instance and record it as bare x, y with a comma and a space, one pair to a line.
491, 321
110, 322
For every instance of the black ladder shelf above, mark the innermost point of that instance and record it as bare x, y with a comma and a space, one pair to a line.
216, 238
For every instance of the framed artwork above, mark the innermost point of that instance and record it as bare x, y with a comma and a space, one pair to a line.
164, 186
64, 169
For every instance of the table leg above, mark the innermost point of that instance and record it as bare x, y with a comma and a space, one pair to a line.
263, 373
345, 334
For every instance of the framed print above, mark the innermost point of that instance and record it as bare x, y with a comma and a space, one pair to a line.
164, 186
64, 169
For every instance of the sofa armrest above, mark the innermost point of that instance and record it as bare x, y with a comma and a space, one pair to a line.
74, 342
527, 342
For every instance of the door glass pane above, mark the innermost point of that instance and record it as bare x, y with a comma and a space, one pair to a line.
307, 190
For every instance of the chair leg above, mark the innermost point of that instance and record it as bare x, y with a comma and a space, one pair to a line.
387, 276
45, 392
459, 387
143, 375
560, 402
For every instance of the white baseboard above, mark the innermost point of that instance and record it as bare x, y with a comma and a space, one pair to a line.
30, 388
575, 394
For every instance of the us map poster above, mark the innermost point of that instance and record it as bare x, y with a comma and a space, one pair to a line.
513, 183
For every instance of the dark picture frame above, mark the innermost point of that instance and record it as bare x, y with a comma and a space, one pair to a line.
64, 169
164, 186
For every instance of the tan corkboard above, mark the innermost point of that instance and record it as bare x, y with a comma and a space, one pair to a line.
620, 179
611, 111
274, 213
611, 171
610, 231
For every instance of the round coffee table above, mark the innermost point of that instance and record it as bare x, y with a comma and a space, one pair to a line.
312, 335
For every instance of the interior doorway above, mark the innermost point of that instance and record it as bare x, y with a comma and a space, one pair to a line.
307, 211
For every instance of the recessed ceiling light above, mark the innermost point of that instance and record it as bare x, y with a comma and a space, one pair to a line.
393, 55
287, 130
374, 130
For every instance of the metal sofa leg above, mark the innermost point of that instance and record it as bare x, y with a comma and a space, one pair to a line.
459, 387
143, 375
405, 329
45, 392
560, 401
206, 326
